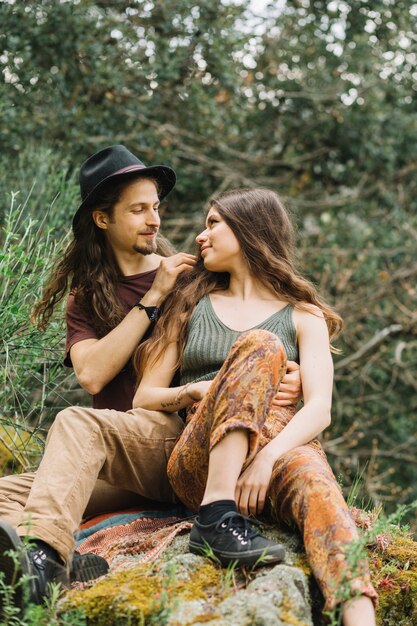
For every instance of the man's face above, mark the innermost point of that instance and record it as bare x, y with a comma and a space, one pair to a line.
135, 221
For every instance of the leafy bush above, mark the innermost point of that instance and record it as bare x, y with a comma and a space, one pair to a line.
32, 377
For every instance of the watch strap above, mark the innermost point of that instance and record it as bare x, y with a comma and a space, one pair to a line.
151, 311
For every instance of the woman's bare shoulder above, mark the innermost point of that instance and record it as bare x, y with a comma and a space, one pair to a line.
306, 311
310, 323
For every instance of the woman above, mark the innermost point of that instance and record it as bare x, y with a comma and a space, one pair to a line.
240, 314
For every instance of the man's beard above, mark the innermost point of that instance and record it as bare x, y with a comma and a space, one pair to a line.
145, 250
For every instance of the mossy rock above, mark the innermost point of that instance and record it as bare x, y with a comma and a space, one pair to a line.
182, 589
144, 594
185, 589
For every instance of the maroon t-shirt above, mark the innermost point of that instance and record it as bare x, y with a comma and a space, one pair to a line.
118, 393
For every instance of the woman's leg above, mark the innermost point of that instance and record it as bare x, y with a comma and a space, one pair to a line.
238, 401
223, 433
304, 490
225, 465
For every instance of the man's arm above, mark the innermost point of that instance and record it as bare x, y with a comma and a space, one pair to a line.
97, 361
290, 391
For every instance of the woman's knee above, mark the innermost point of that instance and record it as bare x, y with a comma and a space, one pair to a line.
260, 338
258, 347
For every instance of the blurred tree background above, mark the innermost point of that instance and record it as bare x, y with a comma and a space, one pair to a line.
315, 99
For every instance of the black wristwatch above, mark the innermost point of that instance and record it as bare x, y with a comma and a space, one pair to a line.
151, 311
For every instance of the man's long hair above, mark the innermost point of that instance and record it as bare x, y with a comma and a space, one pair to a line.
89, 270
266, 236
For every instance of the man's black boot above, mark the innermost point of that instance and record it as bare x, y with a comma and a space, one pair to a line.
85, 567
45, 567
40, 565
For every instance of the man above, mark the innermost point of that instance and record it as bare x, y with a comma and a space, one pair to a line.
103, 458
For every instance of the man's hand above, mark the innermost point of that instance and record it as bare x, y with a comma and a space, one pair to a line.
169, 270
290, 391
253, 483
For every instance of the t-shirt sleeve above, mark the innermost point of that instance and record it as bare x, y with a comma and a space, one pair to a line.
79, 327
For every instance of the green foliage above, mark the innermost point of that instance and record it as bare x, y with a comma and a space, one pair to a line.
365, 263
135, 72
314, 98
228, 575
42, 183
30, 361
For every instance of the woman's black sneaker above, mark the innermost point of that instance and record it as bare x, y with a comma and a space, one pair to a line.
234, 538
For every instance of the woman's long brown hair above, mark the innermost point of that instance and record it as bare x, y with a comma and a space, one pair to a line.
89, 269
265, 234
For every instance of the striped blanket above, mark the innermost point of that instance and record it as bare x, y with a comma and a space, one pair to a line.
126, 538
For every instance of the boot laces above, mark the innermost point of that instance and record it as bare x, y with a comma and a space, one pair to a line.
239, 525
39, 558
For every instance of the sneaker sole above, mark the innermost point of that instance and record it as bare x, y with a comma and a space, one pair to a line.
254, 558
87, 567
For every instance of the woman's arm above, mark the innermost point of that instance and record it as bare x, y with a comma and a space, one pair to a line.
316, 368
154, 392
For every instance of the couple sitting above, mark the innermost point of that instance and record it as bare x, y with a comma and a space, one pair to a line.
234, 321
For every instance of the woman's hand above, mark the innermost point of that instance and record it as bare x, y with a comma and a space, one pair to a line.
253, 484
197, 391
289, 391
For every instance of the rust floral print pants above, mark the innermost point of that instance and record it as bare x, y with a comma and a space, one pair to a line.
303, 489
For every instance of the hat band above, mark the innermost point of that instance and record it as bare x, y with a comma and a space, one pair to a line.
129, 168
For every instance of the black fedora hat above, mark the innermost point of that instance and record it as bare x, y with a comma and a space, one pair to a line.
115, 163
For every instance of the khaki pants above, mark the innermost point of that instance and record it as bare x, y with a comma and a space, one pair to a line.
95, 460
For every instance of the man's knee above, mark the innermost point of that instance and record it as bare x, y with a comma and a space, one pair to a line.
77, 422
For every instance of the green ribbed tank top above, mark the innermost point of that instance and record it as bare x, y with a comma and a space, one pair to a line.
209, 340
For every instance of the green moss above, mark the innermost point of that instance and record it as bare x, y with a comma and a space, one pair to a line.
393, 562
127, 593
142, 593
302, 563
205, 617
205, 581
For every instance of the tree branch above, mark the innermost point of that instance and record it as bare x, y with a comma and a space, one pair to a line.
368, 347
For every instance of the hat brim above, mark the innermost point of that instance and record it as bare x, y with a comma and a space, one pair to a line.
164, 176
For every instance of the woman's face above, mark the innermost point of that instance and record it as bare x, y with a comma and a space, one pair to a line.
219, 247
